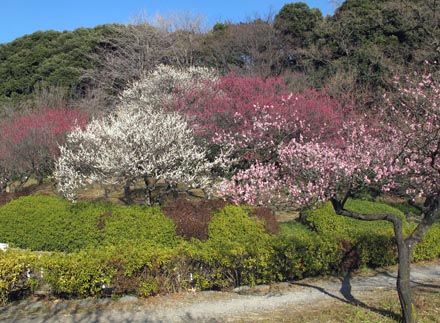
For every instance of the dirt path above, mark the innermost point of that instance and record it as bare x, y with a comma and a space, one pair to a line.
244, 305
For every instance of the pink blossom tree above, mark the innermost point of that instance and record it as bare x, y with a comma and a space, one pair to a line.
29, 142
251, 116
312, 170
398, 151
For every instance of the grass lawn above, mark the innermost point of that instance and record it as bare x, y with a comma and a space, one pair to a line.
380, 307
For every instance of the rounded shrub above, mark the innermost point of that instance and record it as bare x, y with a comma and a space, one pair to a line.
302, 252
52, 224
47, 223
77, 274
137, 224
239, 249
15, 269
324, 220
147, 269
429, 247
364, 243
375, 250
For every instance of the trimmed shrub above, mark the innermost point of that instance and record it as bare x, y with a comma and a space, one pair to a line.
302, 252
405, 207
48, 223
365, 243
143, 269
149, 269
139, 252
325, 220
374, 250
52, 224
429, 247
137, 224
16, 267
78, 274
239, 250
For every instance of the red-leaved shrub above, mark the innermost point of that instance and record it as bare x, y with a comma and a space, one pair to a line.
192, 218
265, 215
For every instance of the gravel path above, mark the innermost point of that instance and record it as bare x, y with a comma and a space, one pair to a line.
243, 305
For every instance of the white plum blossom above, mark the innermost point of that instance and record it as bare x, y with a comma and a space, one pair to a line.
131, 145
161, 87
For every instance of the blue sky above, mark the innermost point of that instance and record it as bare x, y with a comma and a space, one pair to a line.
20, 17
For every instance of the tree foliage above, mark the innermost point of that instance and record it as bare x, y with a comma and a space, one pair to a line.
56, 58
249, 116
250, 48
128, 146
29, 142
297, 21
399, 152
355, 51
360, 47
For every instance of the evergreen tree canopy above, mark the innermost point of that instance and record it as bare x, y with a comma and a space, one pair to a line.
48, 57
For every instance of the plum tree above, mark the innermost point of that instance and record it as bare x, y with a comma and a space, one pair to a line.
399, 151
29, 142
149, 144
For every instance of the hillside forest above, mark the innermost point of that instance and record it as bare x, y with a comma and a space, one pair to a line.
291, 110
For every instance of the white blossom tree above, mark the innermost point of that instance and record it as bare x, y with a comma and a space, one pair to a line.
132, 144
161, 87
143, 139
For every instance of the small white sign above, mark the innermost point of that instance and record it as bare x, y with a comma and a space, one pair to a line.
4, 246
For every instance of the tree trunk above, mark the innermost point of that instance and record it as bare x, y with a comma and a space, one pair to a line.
149, 187
404, 281
405, 247
127, 193
404, 252
403, 284
40, 179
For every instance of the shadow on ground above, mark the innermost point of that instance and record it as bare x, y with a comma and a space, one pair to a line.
348, 297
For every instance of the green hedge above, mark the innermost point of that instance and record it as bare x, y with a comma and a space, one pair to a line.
429, 247
140, 253
238, 250
324, 220
52, 224
46, 223
364, 243
83, 273
371, 243
302, 252
15, 267
138, 224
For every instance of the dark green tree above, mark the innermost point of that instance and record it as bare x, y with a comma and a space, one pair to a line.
365, 43
297, 21
50, 57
